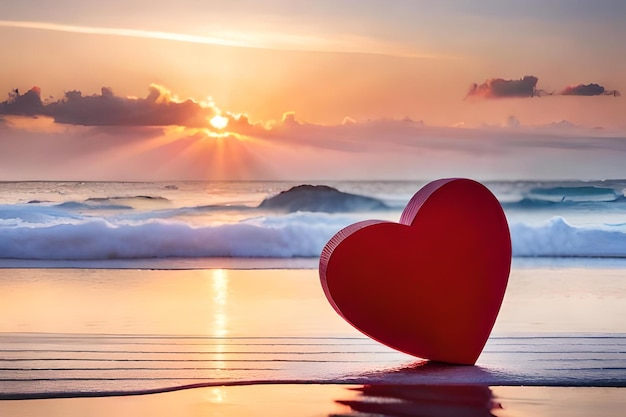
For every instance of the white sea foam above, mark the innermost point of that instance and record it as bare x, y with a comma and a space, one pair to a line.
558, 238
296, 235
51, 235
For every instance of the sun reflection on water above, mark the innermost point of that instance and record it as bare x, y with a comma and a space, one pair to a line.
217, 395
220, 299
219, 280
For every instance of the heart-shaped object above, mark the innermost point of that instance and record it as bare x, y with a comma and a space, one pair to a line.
432, 284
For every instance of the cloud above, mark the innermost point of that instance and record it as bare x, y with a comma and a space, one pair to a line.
27, 104
289, 119
159, 108
134, 33
240, 123
588, 90
512, 121
527, 87
286, 39
365, 149
348, 121
501, 88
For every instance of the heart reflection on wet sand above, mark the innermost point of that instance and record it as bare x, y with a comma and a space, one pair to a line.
421, 400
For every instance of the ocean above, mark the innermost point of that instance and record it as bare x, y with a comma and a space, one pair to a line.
165, 224
112, 288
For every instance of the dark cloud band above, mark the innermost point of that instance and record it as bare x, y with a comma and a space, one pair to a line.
501, 88
107, 109
588, 90
527, 87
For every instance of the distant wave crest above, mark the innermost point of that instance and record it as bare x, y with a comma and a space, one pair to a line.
570, 196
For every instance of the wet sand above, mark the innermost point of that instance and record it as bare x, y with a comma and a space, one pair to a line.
150, 329
333, 400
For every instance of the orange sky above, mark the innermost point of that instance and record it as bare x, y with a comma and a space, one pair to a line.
321, 87
326, 62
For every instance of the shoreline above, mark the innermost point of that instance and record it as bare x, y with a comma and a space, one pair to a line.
296, 263
439, 385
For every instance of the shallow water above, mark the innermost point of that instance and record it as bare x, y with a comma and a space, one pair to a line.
95, 331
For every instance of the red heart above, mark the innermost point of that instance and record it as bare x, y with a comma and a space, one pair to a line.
432, 285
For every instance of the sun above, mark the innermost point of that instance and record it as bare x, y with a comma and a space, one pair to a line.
219, 122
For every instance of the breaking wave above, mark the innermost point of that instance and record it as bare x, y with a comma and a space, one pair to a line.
53, 234
294, 235
558, 238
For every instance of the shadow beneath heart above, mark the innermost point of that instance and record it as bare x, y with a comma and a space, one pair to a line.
435, 373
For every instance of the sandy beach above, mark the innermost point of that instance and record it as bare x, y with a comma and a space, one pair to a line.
557, 347
330, 400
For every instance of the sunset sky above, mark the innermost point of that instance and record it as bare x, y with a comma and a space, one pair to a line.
347, 89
